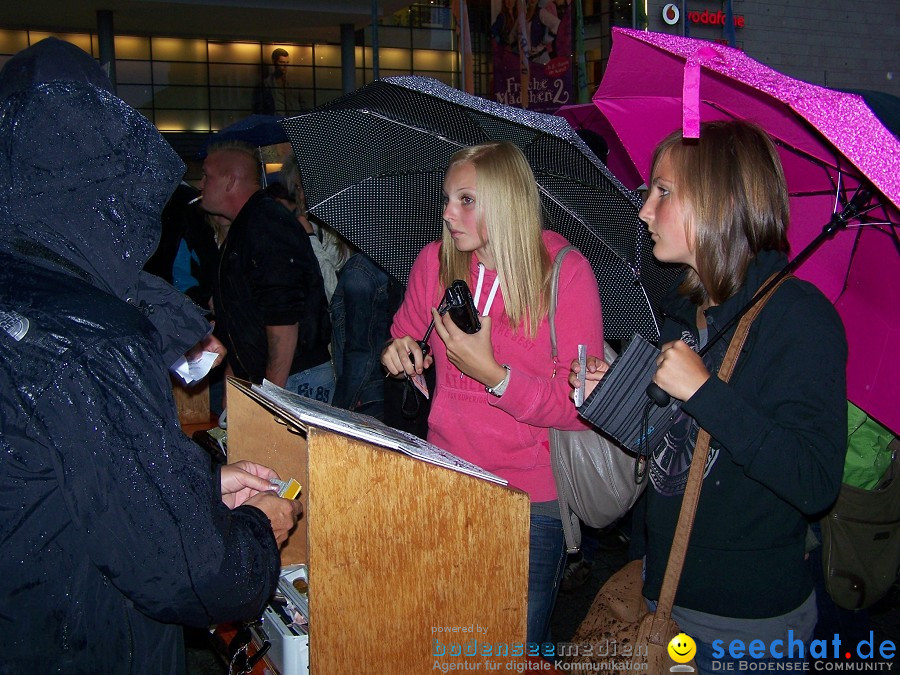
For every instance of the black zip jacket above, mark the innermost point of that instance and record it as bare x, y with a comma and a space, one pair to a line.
779, 432
112, 526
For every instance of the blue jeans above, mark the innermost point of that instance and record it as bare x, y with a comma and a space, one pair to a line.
316, 382
546, 563
704, 660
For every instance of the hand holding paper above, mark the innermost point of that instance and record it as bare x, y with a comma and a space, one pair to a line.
194, 371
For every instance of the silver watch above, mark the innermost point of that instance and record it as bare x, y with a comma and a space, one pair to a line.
498, 389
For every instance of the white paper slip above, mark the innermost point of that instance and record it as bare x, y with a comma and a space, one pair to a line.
194, 371
582, 374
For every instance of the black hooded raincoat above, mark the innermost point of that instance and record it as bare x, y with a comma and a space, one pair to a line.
112, 528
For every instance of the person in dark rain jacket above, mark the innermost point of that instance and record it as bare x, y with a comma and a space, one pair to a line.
113, 526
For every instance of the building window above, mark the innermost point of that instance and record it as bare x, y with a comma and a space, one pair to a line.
200, 86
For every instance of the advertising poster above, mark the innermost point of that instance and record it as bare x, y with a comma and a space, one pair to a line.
532, 42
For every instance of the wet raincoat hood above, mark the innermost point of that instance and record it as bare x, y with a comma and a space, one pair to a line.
112, 525
83, 182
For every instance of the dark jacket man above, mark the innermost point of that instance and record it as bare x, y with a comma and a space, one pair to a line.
273, 96
270, 304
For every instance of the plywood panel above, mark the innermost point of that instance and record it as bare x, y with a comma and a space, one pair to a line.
260, 435
401, 550
192, 402
411, 564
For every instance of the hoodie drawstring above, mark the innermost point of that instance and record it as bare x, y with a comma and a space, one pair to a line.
478, 286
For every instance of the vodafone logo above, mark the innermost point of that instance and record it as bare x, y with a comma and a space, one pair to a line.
670, 14
713, 18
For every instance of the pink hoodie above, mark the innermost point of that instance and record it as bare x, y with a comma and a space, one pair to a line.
508, 435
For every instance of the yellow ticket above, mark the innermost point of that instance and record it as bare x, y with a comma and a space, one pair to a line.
288, 489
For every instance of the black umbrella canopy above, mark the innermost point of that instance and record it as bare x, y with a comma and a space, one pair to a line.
258, 130
373, 164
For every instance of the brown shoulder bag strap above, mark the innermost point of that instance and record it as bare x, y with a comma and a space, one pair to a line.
695, 480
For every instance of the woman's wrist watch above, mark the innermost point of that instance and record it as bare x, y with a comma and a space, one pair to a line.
498, 389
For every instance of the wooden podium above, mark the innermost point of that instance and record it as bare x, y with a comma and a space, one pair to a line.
192, 401
411, 565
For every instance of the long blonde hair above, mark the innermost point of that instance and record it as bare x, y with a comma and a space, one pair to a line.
509, 206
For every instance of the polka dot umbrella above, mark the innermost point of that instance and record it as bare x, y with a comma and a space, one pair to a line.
373, 165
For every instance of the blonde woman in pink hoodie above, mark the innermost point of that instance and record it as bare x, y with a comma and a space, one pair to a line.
498, 391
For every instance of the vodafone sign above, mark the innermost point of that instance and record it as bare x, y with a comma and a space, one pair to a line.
714, 18
670, 14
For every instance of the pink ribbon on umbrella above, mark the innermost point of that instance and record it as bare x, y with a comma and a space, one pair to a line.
690, 90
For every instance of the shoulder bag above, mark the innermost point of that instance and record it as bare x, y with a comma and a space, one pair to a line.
595, 476
861, 540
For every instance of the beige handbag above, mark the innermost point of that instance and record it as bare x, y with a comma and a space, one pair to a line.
595, 476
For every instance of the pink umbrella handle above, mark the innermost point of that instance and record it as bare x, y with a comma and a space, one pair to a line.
690, 91
690, 100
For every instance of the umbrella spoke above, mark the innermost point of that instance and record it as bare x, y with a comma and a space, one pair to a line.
883, 226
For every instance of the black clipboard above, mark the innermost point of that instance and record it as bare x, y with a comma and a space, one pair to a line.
619, 402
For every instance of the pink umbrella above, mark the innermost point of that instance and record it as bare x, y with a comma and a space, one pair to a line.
830, 143
588, 116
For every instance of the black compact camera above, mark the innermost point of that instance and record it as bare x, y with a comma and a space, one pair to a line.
458, 303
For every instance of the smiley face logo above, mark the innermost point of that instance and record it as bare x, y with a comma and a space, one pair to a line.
682, 648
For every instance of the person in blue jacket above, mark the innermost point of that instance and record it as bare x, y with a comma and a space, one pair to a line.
115, 529
362, 308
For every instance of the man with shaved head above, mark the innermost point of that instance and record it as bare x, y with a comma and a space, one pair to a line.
269, 299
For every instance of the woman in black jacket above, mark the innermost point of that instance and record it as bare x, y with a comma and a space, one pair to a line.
719, 206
